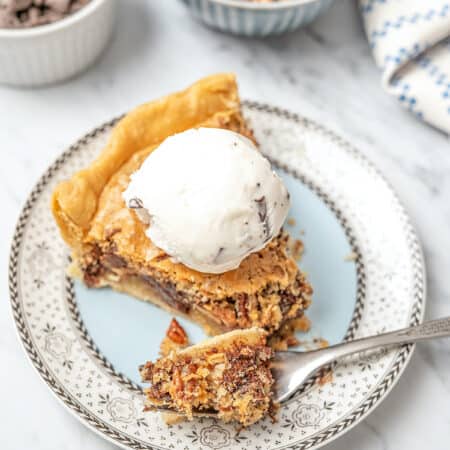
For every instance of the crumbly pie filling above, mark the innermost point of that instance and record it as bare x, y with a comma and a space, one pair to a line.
229, 375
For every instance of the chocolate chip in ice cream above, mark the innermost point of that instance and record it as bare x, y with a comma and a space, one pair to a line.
32, 13
262, 214
135, 203
138, 206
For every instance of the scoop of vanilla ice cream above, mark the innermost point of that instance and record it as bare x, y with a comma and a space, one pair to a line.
210, 198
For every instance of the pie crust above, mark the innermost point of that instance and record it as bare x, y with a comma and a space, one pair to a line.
109, 245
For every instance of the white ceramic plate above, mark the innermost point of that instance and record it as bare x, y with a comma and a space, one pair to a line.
362, 256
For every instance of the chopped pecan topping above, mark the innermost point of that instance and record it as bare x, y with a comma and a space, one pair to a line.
235, 380
176, 333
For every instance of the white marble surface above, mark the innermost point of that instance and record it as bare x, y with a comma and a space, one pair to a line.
325, 72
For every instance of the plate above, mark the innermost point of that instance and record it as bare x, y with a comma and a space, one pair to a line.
362, 256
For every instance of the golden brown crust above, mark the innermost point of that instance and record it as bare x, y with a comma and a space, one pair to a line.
75, 201
251, 336
109, 244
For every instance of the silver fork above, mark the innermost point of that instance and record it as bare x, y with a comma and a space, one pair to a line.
291, 369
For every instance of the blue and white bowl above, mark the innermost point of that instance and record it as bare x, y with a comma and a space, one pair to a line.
257, 19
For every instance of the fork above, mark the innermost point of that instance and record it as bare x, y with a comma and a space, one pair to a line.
291, 369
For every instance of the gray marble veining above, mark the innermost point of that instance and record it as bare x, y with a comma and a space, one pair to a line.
325, 72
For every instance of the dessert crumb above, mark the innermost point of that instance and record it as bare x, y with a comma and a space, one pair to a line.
291, 222
351, 257
325, 376
313, 344
321, 342
285, 336
303, 324
174, 339
297, 249
173, 418
292, 341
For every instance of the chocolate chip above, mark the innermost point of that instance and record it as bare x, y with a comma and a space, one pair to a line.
170, 294
262, 208
262, 214
219, 252
135, 203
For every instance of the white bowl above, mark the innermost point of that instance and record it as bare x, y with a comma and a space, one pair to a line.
57, 51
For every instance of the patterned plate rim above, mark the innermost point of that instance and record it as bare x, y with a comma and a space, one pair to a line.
317, 440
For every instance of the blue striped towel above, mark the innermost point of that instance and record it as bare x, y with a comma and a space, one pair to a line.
410, 41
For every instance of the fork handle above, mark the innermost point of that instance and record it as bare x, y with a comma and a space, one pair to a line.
427, 330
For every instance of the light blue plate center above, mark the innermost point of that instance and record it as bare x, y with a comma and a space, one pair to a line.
128, 331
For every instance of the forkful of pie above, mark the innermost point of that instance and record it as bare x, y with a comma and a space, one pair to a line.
237, 377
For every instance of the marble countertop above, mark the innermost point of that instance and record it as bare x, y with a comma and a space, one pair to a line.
325, 72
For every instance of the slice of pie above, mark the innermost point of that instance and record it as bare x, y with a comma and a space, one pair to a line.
228, 374
108, 241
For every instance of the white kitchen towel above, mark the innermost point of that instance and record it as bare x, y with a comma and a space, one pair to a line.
410, 41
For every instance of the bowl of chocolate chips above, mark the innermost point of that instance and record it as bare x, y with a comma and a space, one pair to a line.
48, 41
